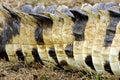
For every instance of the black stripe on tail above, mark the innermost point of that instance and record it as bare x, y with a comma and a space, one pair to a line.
11, 28
111, 29
3, 54
42, 22
36, 56
69, 51
52, 54
20, 55
80, 24
89, 62
107, 67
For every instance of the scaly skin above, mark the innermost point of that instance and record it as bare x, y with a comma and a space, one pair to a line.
89, 39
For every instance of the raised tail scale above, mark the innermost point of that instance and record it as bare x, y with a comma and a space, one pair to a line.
69, 38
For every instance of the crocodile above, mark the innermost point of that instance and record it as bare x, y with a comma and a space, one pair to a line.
69, 38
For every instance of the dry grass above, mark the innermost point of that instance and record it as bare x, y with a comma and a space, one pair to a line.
34, 71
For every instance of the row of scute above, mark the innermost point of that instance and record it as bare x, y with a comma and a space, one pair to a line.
71, 38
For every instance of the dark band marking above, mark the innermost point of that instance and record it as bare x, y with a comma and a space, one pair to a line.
43, 23
3, 54
36, 56
14, 21
69, 51
107, 67
39, 35
63, 63
20, 55
119, 56
12, 28
53, 55
80, 24
89, 62
111, 29
6, 35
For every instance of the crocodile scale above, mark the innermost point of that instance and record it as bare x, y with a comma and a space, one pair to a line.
69, 38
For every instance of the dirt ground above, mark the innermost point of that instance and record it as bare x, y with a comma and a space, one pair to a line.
35, 71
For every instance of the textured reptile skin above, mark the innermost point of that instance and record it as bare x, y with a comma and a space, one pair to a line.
70, 38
